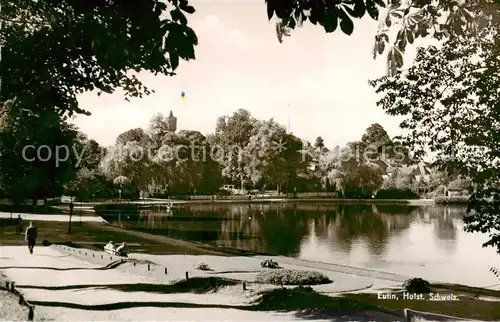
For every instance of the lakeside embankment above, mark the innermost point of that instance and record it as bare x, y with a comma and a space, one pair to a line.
87, 207
89, 286
280, 200
164, 202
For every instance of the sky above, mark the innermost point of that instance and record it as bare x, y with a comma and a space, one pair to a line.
316, 80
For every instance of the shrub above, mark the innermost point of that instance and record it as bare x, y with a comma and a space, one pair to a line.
355, 193
292, 277
417, 285
269, 263
203, 267
452, 200
394, 193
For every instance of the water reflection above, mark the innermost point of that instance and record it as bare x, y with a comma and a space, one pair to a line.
413, 241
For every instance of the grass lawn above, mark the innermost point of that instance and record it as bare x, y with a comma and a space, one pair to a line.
83, 234
307, 300
95, 235
467, 306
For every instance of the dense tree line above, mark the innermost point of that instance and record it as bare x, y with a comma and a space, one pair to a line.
243, 151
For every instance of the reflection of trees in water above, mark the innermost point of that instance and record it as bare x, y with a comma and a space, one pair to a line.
272, 229
443, 219
445, 226
342, 226
281, 228
240, 229
152, 219
360, 222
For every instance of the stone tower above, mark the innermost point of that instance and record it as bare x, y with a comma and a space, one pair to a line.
171, 122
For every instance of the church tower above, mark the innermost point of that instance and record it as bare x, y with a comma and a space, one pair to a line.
171, 122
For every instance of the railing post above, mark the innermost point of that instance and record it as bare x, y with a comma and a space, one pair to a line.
31, 313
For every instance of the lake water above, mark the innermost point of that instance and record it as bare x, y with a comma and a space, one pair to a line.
425, 241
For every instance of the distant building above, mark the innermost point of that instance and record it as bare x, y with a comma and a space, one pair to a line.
171, 122
455, 188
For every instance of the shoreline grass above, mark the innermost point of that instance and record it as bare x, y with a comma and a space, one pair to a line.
466, 306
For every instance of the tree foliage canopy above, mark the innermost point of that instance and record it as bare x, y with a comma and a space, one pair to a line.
451, 104
31, 153
54, 50
439, 19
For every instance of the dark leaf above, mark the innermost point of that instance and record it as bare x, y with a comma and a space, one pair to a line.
423, 30
396, 14
331, 19
359, 9
380, 3
189, 9
398, 58
270, 9
178, 16
388, 22
372, 9
401, 40
174, 60
161, 5
457, 26
346, 23
409, 36
381, 47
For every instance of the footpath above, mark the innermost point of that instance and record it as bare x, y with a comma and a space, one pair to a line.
65, 283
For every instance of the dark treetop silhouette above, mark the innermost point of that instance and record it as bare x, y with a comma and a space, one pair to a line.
450, 100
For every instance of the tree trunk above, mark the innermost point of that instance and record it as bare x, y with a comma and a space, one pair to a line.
70, 215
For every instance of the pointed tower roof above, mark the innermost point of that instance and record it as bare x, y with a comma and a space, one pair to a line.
171, 114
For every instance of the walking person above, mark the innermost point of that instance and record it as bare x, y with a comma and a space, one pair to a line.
30, 236
19, 224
